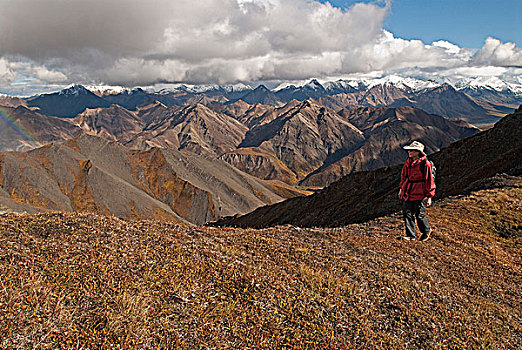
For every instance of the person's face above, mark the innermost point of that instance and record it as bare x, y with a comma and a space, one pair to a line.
413, 153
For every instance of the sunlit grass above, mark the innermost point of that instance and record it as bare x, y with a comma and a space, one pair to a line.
85, 281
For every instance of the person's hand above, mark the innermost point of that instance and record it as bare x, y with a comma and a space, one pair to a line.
400, 193
428, 202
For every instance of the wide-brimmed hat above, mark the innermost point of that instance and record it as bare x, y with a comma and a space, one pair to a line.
415, 146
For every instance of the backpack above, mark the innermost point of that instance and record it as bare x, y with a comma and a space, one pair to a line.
423, 168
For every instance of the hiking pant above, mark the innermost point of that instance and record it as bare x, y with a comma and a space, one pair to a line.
412, 210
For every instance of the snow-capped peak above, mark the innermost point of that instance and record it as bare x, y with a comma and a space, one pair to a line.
74, 90
198, 89
237, 87
344, 85
402, 83
314, 85
490, 83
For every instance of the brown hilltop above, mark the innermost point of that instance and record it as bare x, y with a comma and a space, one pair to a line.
114, 123
103, 282
43, 129
364, 195
195, 128
89, 174
11, 101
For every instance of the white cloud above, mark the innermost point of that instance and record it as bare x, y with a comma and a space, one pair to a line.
496, 53
44, 74
6, 74
137, 42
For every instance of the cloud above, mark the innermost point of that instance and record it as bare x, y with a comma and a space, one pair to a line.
179, 40
6, 74
144, 42
496, 53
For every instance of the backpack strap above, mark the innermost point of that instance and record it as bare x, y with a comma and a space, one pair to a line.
423, 167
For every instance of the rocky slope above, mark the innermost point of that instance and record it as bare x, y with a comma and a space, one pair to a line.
299, 142
385, 131
23, 129
303, 138
195, 128
89, 174
364, 195
113, 123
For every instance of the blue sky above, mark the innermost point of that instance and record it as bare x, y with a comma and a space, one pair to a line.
466, 23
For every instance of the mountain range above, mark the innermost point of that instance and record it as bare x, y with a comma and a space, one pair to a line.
198, 154
358, 197
477, 101
300, 142
91, 174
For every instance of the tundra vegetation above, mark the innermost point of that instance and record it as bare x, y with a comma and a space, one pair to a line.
90, 281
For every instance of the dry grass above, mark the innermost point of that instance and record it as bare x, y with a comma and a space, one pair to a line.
70, 281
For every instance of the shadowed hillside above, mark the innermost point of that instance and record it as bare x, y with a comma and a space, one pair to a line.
86, 281
365, 195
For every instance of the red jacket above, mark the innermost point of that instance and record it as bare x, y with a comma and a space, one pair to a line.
416, 184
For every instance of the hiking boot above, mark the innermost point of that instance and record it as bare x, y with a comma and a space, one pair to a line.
425, 236
407, 238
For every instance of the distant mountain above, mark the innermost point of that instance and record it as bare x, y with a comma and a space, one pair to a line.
67, 103
365, 195
89, 174
260, 95
385, 131
313, 89
440, 99
195, 128
23, 129
385, 95
447, 101
494, 95
130, 99
480, 102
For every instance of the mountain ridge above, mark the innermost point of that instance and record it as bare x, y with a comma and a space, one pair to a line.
91, 174
293, 142
389, 91
365, 195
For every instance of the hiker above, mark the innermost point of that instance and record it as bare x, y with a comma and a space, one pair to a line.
416, 189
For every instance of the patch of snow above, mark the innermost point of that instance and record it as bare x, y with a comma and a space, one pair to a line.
73, 90
314, 85
489, 83
107, 89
